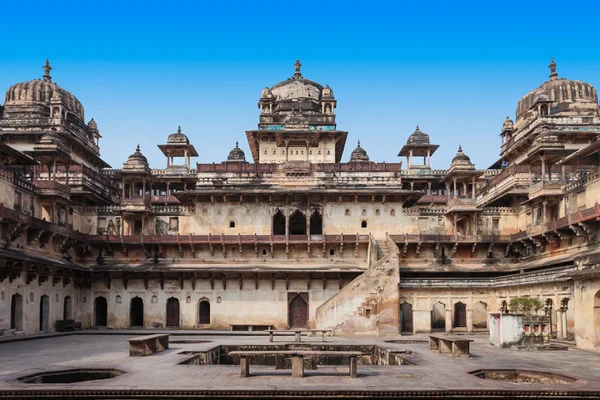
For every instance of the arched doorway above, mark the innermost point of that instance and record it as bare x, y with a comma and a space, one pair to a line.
16, 312
298, 310
460, 315
173, 312
136, 312
100, 311
44, 313
316, 223
438, 316
597, 317
298, 223
480, 317
406, 317
278, 223
204, 312
68, 308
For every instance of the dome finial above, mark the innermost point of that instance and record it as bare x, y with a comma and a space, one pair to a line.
553, 73
137, 150
179, 129
460, 148
297, 74
47, 69
237, 145
417, 126
359, 143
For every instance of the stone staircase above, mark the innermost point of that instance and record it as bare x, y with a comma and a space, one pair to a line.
368, 304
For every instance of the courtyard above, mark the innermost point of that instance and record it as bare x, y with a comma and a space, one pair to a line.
166, 374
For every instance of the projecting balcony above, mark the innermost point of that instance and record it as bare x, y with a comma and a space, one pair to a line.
137, 204
53, 188
546, 189
512, 181
462, 204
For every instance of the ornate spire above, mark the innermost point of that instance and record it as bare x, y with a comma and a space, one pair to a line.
359, 143
297, 74
137, 150
237, 145
553, 74
47, 69
179, 129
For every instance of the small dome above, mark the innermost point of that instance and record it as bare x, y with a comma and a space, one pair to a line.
136, 161
266, 93
93, 125
508, 124
327, 92
418, 137
178, 137
236, 154
460, 156
359, 154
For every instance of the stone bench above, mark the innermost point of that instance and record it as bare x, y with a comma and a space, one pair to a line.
454, 345
297, 332
146, 345
297, 359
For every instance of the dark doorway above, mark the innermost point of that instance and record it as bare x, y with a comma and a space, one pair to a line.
316, 223
44, 314
278, 223
438, 316
460, 315
16, 312
298, 310
406, 317
173, 313
136, 312
68, 308
204, 312
137, 227
298, 223
101, 311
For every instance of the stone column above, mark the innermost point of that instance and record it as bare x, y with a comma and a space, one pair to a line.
470, 320
565, 333
472, 188
429, 158
454, 183
448, 320
410, 159
543, 171
559, 324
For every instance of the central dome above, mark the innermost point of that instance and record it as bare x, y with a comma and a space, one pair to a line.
41, 91
563, 93
296, 87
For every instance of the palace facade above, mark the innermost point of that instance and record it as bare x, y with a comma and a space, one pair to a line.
293, 234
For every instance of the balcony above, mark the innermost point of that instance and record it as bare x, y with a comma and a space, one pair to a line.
514, 180
462, 204
137, 204
53, 188
546, 189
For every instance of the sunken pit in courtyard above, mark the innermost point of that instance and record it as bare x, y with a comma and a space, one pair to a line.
524, 377
71, 376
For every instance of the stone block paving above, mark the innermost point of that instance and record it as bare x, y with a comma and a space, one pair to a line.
432, 371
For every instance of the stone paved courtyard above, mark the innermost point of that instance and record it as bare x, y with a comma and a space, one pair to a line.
431, 371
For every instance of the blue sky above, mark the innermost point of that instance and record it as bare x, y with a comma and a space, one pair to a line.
143, 68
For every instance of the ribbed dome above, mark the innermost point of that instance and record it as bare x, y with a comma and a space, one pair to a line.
508, 124
460, 156
236, 154
178, 137
40, 91
93, 125
296, 87
359, 154
136, 161
418, 137
558, 90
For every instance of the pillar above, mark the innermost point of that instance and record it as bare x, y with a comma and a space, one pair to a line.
454, 183
428, 187
287, 224
286, 150
565, 333
543, 171
469, 320
429, 158
410, 155
448, 320
559, 324
473, 188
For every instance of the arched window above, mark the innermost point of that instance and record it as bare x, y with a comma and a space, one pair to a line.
347, 213
363, 224
232, 224
278, 223
377, 212
316, 223
204, 312
364, 212
298, 223
393, 213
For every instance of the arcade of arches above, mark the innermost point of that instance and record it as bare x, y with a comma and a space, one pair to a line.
297, 223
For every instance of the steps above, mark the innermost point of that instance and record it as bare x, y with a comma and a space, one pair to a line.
382, 249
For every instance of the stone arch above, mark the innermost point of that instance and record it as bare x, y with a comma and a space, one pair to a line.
438, 316
136, 311
44, 313
172, 312
460, 315
203, 312
16, 312
406, 317
480, 316
68, 308
316, 223
298, 223
278, 223
100, 311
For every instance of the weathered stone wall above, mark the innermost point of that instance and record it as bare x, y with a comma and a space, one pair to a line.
586, 303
